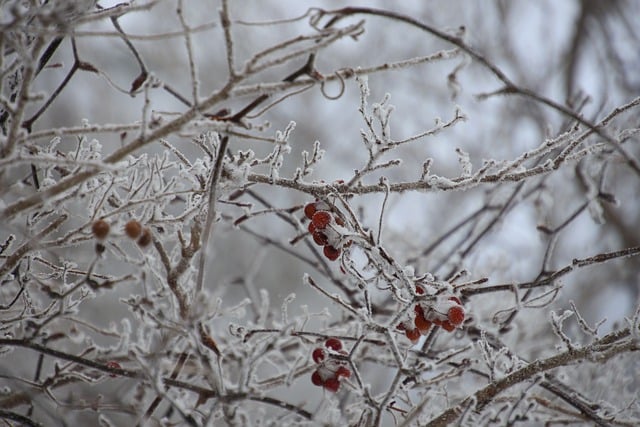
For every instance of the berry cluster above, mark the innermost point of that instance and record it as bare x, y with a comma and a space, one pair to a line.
331, 368
133, 229
323, 228
447, 312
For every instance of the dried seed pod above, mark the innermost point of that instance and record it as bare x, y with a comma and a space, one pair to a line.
100, 229
145, 238
133, 229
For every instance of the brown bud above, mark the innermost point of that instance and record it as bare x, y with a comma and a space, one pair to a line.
145, 237
133, 229
100, 229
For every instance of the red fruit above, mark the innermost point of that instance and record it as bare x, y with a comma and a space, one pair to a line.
447, 326
456, 315
316, 379
412, 334
400, 327
311, 228
320, 238
318, 355
321, 219
332, 384
334, 344
422, 324
419, 290
309, 210
339, 221
343, 372
331, 252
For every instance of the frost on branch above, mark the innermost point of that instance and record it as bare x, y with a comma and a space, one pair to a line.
224, 220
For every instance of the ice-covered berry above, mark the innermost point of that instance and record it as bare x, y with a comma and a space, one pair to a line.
320, 238
309, 210
447, 326
321, 219
331, 252
332, 384
316, 379
422, 324
318, 355
343, 371
456, 315
412, 334
334, 344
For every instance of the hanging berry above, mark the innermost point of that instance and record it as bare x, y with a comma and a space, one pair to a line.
100, 229
133, 229
332, 367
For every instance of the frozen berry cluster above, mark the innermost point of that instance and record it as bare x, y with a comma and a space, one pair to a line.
447, 312
133, 229
331, 369
324, 228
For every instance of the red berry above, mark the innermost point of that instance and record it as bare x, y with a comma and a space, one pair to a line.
412, 334
331, 252
320, 238
316, 379
400, 327
318, 355
332, 384
311, 228
343, 372
339, 221
419, 290
334, 344
309, 210
321, 219
447, 326
456, 315
422, 324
